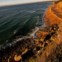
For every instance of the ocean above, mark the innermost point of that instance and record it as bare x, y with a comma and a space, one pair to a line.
19, 19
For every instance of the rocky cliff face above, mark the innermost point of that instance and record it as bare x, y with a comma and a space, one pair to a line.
53, 14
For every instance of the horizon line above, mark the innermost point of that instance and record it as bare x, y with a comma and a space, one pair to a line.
27, 3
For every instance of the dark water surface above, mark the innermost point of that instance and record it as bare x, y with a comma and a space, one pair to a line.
15, 18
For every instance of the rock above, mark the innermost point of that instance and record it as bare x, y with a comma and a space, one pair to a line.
53, 14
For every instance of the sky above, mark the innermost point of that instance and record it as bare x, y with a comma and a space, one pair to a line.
12, 2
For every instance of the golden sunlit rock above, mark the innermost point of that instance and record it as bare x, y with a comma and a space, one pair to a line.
53, 14
59, 6
17, 57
